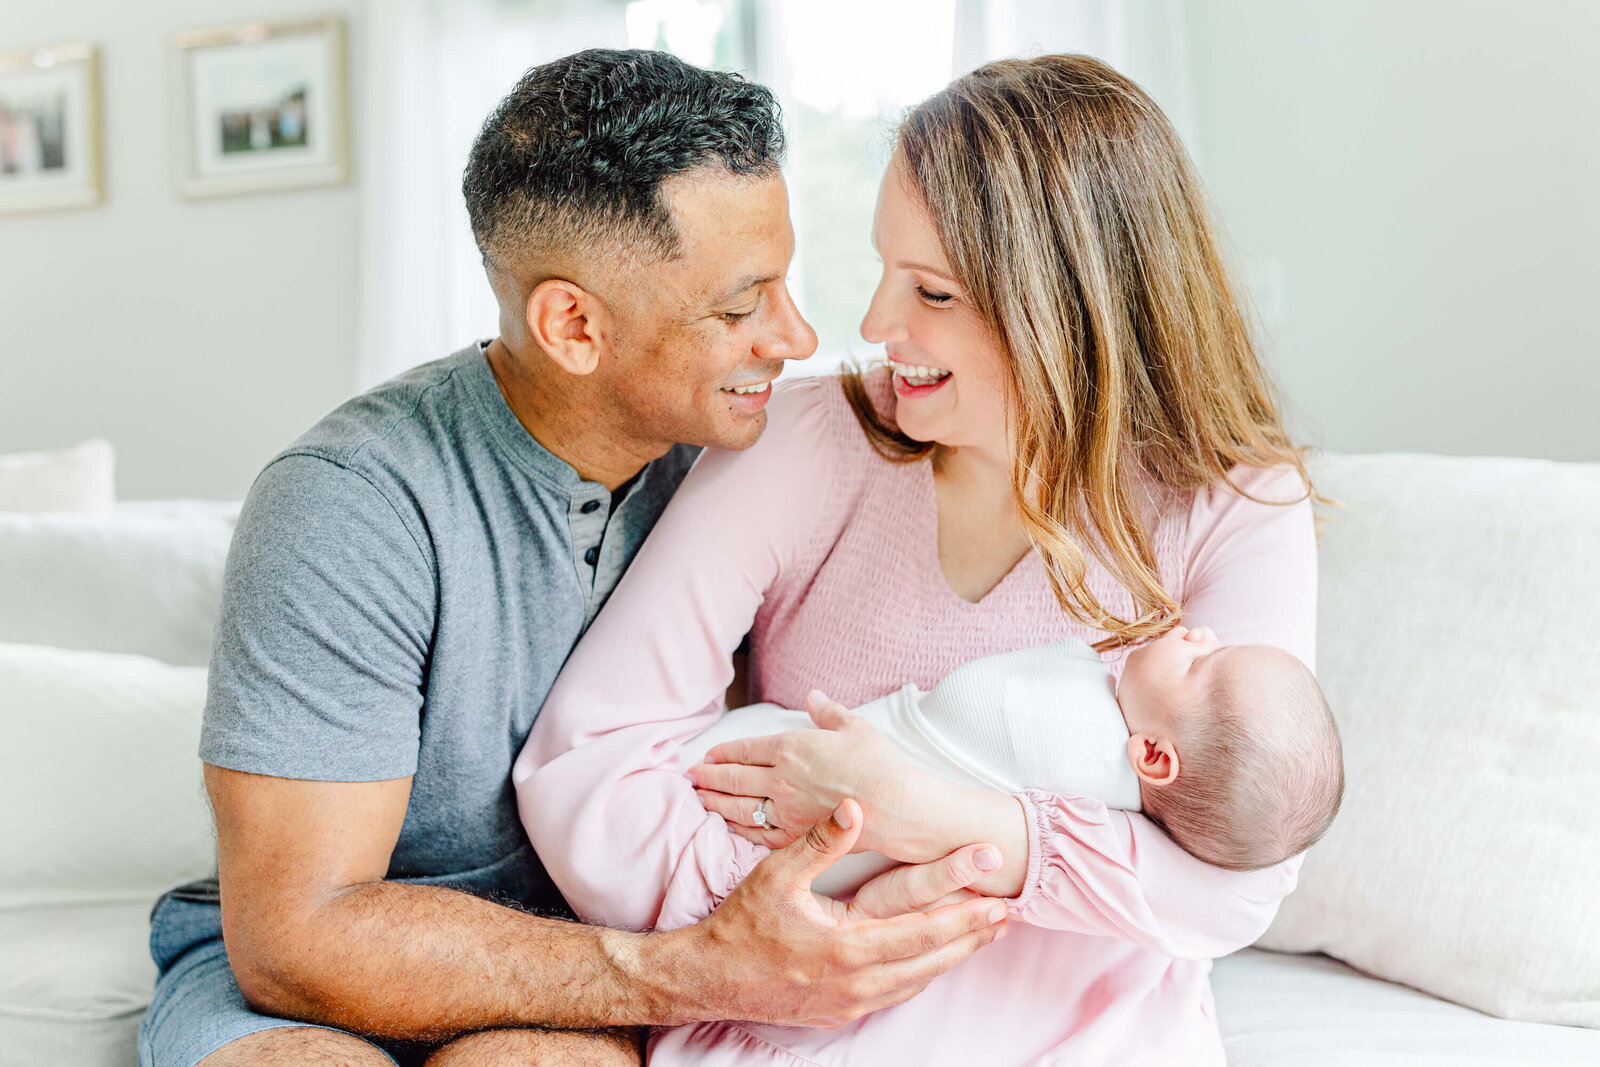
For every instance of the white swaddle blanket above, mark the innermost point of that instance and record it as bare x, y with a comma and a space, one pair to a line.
1040, 718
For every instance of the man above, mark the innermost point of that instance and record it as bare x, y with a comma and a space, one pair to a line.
406, 581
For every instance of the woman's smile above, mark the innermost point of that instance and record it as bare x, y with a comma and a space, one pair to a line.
913, 380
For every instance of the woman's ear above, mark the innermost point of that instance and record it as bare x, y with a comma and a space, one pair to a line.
1154, 759
563, 320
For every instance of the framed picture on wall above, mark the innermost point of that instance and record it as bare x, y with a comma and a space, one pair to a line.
260, 106
49, 128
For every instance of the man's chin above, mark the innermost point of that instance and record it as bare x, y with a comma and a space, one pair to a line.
736, 432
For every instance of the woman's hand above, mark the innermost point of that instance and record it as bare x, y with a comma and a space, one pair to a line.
805, 774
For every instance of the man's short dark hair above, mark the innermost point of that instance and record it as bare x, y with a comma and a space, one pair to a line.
573, 159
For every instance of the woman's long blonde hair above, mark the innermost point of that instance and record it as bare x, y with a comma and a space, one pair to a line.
1072, 215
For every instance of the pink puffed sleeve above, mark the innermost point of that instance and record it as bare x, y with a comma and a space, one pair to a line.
1251, 575
607, 808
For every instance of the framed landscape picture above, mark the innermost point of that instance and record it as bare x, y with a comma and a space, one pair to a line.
49, 128
260, 106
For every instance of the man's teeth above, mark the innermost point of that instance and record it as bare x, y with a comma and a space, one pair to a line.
745, 390
918, 375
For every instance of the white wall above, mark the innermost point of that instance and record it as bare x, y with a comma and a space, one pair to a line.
1423, 178
198, 336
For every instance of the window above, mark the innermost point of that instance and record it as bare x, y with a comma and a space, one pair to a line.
842, 94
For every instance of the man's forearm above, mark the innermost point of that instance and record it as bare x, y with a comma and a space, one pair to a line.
425, 962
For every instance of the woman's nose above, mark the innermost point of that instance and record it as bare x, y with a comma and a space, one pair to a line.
881, 325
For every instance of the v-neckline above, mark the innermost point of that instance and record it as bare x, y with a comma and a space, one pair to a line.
928, 548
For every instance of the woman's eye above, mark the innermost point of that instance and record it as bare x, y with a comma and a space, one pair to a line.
731, 317
932, 297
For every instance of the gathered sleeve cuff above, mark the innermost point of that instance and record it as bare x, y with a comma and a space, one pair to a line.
1098, 870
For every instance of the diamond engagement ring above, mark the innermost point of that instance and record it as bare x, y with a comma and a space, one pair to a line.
760, 816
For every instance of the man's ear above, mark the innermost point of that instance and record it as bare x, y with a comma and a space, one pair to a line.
564, 320
1154, 760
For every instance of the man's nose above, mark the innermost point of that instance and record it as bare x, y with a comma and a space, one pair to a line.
794, 337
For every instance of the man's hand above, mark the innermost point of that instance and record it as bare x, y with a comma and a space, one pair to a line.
776, 952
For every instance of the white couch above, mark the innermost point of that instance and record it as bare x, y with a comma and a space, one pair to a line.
101, 803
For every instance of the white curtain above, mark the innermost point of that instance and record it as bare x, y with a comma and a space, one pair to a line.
434, 70
1144, 39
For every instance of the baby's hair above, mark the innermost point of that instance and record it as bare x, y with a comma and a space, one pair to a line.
1260, 767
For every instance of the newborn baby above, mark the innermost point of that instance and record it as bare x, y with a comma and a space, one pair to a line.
1230, 748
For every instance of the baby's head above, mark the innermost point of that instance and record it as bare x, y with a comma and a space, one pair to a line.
1236, 751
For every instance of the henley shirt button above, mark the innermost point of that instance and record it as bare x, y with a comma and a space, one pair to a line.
590, 507
592, 556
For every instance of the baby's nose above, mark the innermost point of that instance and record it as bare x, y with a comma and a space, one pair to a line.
1200, 633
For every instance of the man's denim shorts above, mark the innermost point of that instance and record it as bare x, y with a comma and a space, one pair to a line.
197, 1006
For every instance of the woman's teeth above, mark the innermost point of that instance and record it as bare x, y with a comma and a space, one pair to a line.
745, 390
918, 375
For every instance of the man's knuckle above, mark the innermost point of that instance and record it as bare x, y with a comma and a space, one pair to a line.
860, 989
849, 956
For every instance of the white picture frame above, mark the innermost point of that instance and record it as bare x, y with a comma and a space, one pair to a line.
259, 107
50, 141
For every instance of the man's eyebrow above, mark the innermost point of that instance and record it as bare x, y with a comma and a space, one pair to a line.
744, 285
924, 268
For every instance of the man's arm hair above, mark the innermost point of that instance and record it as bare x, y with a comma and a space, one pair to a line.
314, 932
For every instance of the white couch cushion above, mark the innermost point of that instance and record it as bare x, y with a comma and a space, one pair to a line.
146, 579
100, 787
1458, 638
1310, 1011
79, 479
74, 982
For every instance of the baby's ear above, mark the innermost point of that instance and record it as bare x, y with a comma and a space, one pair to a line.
1154, 759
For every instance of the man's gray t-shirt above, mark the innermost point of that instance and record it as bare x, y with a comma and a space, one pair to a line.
405, 583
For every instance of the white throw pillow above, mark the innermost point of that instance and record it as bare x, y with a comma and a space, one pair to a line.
1459, 646
146, 579
100, 784
80, 479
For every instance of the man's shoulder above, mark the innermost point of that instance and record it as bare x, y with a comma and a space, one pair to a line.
372, 463
415, 412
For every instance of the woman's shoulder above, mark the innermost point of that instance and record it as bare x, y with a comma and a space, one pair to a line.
814, 413
1279, 483
804, 445
1248, 493
1263, 506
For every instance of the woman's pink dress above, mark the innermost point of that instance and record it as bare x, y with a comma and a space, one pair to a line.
827, 555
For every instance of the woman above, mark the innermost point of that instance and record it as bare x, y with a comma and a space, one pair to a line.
1078, 441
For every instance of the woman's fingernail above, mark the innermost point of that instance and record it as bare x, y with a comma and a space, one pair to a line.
997, 913
998, 934
841, 815
986, 859
817, 696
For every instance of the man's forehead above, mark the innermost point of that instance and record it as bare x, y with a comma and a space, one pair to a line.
712, 213
733, 230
